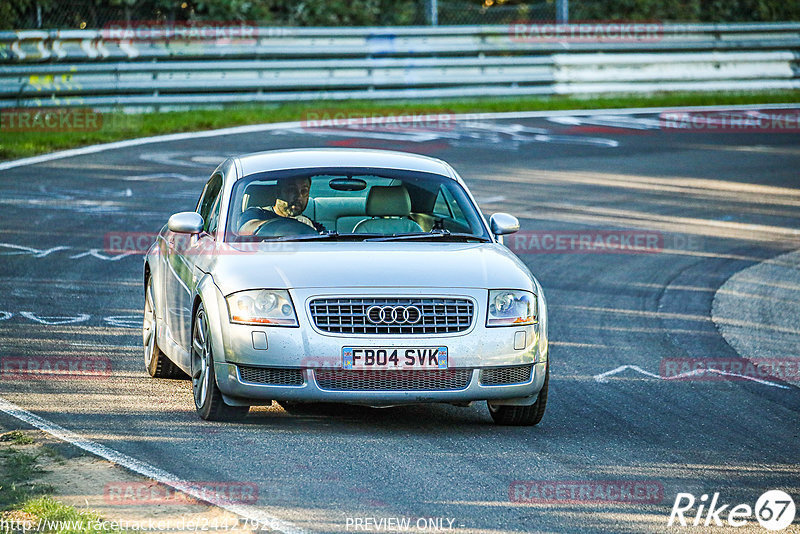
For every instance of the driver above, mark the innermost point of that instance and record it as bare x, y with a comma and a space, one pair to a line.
291, 202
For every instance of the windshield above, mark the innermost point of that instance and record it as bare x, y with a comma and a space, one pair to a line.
353, 203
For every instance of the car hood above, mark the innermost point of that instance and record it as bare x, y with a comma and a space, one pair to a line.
368, 264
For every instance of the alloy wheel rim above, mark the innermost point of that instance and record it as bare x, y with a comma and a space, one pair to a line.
200, 361
148, 328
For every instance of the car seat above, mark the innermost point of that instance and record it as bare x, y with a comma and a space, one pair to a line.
389, 206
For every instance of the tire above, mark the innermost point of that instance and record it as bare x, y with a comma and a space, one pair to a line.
208, 399
523, 415
155, 361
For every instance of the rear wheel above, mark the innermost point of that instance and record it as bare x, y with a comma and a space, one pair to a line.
155, 361
207, 397
523, 415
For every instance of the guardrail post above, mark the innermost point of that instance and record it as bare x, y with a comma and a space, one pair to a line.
432, 12
562, 11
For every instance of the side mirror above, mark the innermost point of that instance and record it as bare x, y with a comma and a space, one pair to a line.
503, 224
185, 222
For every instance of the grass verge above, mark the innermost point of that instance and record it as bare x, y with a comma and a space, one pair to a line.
54, 517
18, 483
25, 504
16, 437
118, 126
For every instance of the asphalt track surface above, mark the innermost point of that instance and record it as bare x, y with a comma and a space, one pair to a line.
721, 202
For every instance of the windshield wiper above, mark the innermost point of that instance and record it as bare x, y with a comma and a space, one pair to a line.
314, 237
436, 234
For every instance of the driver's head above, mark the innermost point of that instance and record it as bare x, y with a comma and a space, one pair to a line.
292, 196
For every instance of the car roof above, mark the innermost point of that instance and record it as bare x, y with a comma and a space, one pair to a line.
340, 157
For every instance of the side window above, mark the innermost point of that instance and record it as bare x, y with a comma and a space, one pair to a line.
455, 209
449, 210
209, 200
440, 207
213, 218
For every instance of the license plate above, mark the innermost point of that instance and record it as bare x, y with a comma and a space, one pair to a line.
394, 358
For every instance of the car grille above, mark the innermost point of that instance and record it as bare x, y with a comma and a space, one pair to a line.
417, 380
349, 315
502, 376
272, 376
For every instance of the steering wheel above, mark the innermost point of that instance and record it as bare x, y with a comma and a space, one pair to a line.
283, 226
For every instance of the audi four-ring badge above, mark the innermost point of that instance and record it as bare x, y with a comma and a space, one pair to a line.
393, 314
344, 275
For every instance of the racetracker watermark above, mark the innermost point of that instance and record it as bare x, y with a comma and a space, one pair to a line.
384, 363
216, 31
744, 121
585, 491
60, 367
388, 120
117, 243
586, 242
706, 369
50, 120
587, 32
153, 493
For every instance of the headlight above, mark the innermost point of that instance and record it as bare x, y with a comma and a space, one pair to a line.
511, 308
262, 307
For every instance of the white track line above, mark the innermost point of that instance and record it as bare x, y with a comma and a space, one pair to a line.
603, 377
255, 517
93, 149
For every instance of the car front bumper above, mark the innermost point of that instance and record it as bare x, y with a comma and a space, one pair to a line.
236, 391
309, 351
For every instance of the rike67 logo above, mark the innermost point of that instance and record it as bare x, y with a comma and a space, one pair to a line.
774, 510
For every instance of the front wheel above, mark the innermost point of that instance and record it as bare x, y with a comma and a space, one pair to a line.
207, 397
523, 415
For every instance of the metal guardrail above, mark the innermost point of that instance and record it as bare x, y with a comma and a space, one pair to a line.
103, 68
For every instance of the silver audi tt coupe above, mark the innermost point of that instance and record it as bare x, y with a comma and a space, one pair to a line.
339, 275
